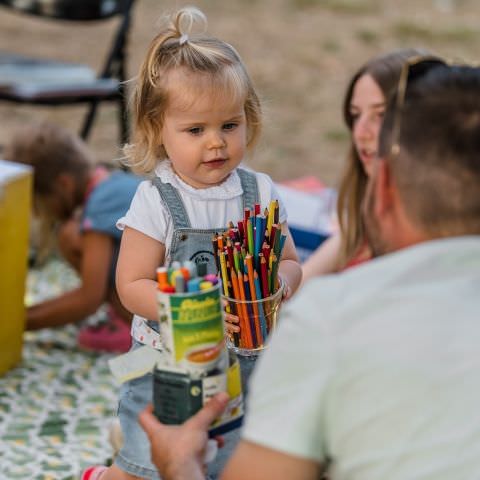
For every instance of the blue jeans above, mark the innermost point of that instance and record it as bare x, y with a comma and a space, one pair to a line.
134, 457
232, 438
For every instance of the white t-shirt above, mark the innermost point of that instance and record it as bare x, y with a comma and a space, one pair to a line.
378, 369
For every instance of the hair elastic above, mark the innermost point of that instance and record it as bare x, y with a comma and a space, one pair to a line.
183, 39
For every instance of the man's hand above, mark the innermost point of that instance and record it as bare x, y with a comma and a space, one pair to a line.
178, 450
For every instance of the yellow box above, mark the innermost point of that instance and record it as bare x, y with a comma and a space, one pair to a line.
15, 205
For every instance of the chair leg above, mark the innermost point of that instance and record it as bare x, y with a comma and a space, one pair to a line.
123, 113
88, 122
122, 117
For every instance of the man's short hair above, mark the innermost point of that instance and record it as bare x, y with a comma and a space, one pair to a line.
437, 169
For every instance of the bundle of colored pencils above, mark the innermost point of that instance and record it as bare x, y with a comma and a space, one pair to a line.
248, 256
183, 278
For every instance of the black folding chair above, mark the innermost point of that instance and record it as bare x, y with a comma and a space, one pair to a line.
36, 81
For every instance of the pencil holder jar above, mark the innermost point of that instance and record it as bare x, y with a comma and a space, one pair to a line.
257, 319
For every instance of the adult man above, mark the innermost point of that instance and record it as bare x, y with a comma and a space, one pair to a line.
374, 372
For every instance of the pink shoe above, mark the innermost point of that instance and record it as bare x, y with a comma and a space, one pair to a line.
110, 336
93, 473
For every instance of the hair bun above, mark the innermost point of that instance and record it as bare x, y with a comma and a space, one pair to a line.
185, 19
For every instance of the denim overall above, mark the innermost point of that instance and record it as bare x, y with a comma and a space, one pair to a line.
196, 244
187, 244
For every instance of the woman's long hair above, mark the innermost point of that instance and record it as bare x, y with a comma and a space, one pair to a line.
385, 70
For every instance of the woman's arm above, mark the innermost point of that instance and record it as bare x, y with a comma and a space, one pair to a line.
138, 260
324, 260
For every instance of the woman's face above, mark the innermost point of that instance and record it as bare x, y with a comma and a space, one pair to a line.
367, 108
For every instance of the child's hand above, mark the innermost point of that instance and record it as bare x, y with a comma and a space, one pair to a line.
231, 324
287, 291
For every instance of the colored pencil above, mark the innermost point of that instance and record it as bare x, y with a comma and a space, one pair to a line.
241, 289
261, 316
239, 339
253, 295
251, 314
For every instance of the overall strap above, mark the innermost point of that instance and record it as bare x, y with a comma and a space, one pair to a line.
249, 187
171, 198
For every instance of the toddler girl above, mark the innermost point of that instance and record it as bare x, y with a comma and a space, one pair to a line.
196, 115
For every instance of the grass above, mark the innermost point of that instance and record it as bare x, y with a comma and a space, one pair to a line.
337, 135
406, 30
354, 7
331, 45
368, 37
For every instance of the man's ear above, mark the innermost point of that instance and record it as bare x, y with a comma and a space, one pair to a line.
384, 188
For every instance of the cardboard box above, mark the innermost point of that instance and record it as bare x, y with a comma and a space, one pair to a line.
197, 364
15, 207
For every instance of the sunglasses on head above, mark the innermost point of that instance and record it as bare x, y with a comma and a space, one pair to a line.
414, 68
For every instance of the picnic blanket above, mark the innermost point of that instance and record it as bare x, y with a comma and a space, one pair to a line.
55, 407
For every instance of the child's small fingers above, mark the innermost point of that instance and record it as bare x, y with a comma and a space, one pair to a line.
287, 291
231, 328
229, 318
220, 441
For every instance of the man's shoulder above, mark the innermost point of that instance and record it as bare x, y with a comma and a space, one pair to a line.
343, 286
334, 301
417, 272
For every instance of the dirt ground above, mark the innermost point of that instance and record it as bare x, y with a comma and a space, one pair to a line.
300, 54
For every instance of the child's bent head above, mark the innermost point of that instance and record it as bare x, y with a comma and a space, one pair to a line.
181, 67
55, 154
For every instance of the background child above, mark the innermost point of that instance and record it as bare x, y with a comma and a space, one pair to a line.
83, 201
196, 114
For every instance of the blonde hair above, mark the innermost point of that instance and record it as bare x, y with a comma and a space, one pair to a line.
385, 70
216, 65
